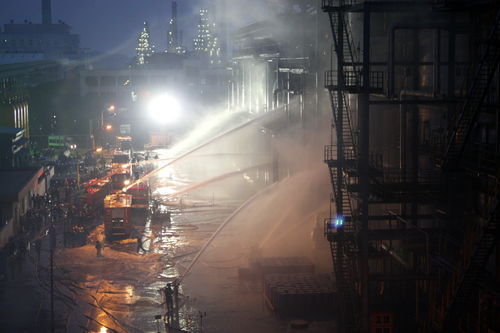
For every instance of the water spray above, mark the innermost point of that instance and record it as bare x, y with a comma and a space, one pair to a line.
219, 229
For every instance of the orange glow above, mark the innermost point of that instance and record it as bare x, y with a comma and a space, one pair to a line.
109, 127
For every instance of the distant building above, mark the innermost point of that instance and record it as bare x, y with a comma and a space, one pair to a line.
18, 187
275, 68
43, 41
53, 41
15, 80
12, 148
144, 46
206, 43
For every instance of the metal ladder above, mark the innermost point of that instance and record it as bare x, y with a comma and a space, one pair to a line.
344, 246
482, 250
348, 49
475, 97
349, 143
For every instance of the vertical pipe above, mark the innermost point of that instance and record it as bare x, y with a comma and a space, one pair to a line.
243, 85
437, 61
237, 86
413, 128
250, 86
402, 137
414, 135
390, 63
451, 69
266, 64
453, 198
46, 12
52, 244
287, 98
364, 151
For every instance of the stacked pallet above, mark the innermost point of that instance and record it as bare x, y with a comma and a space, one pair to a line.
306, 296
282, 265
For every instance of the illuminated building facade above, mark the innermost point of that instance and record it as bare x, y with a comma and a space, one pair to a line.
206, 42
144, 46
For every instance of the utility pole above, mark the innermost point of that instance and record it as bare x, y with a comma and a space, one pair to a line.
52, 241
202, 315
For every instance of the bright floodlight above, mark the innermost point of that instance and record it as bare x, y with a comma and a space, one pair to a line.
164, 109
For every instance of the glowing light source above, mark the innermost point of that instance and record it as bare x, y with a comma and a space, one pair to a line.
164, 109
338, 221
109, 127
98, 150
126, 182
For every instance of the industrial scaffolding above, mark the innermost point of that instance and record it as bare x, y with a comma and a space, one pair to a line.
413, 237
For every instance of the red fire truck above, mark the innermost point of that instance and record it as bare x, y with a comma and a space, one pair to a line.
117, 216
95, 192
121, 171
140, 196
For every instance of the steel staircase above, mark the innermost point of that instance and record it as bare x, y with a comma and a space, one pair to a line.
342, 119
342, 245
350, 70
474, 100
482, 250
341, 229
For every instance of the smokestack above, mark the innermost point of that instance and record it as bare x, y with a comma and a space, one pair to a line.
174, 25
172, 37
46, 12
174, 10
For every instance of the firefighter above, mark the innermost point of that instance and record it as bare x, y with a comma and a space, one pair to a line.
98, 247
139, 244
169, 300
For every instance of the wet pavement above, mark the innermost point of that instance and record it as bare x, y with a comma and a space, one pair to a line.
121, 291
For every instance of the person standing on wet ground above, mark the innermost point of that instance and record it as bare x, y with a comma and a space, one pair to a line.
139, 245
169, 300
98, 247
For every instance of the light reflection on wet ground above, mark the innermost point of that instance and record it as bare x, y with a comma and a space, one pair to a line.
124, 299
194, 218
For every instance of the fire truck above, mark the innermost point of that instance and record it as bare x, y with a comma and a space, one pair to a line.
95, 190
117, 216
140, 196
121, 171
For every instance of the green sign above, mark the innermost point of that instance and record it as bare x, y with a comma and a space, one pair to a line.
57, 141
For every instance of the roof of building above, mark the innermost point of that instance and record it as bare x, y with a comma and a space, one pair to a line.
10, 130
15, 58
28, 67
13, 181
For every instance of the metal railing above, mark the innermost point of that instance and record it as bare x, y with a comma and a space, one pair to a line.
354, 79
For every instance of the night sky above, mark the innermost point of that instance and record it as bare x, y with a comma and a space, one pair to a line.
112, 26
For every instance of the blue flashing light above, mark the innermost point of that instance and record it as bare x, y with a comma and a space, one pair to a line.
338, 221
